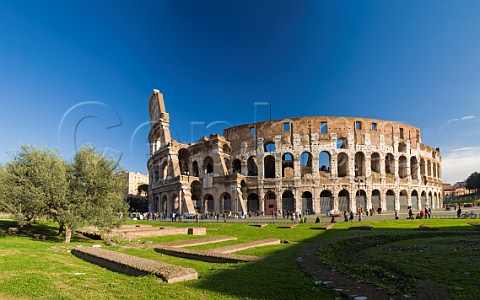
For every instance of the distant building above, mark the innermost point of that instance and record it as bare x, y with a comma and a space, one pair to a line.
453, 191
134, 180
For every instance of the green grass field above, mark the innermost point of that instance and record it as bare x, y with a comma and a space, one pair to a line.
44, 269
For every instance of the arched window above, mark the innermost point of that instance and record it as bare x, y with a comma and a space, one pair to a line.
305, 163
269, 146
287, 165
414, 167
195, 168
375, 162
237, 166
342, 167
360, 164
183, 157
208, 165
402, 167
324, 161
269, 166
252, 166
389, 164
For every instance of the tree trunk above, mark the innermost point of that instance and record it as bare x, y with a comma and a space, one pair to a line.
68, 234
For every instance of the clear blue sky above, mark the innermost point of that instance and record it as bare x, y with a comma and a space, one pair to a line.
95, 63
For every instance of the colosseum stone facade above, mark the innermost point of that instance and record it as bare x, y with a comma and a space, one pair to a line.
308, 164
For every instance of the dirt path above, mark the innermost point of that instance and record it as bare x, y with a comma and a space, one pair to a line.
352, 288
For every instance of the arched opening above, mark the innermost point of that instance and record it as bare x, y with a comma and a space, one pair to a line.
175, 204
305, 163
414, 200
196, 191
226, 149
434, 167
434, 201
375, 162
270, 203
307, 203
390, 197
252, 203
389, 164
287, 165
324, 161
252, 169
376, 199
208, 165
195, 168
164, 170
269, 146
236, 166
344, 201
341, 143
163, 204
227, 202
422, 167
430, 200
183, 160
429, 168
403, 199
414, 167
288, 201
209, 203
402, 147
269, 166
402, 167
423, 199
326, 202
360, 164
342, 167
361, 200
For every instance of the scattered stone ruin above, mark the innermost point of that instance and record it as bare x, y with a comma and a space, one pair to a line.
309, 165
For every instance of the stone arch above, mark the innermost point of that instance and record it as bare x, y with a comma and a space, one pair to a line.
288, 201
342, 167
414, 167
226, 202
305, 163
269, 146
342, 143
361, 200
326, 201
430, 200
252, 169
403, 200
429, 168
360, 164
422, 167
287, 165
237, 166
253, 204
226, 149
375, 162
390, 200
344, 201
324, 161
434, 171
163, 204
183, 161
208, 203
402, 167
389, 164
269, 166
376, 199
402, 147
270, 202
423, 199
414, 199
175, 204
196, 191
307, 203
195, 171
208, 165
164, 170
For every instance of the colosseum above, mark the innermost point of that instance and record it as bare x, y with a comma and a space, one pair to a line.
309, 165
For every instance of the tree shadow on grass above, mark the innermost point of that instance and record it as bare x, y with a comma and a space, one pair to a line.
40, 231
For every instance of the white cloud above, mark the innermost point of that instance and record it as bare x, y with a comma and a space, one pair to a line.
460, 163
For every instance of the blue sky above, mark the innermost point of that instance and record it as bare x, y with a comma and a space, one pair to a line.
82, 72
